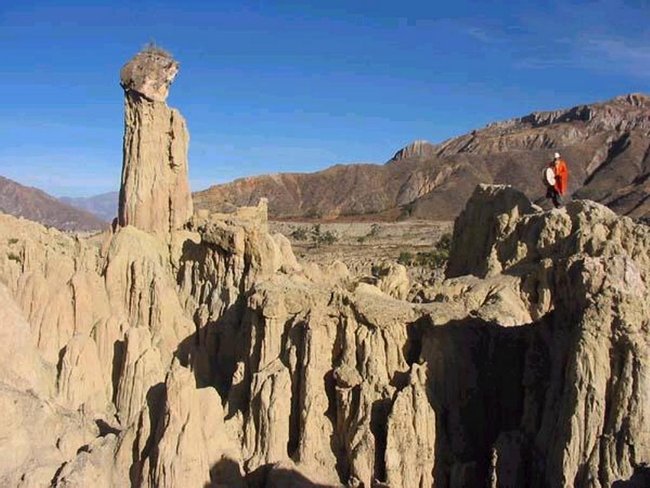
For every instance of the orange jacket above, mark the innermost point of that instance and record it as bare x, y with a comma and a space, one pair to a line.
561, 177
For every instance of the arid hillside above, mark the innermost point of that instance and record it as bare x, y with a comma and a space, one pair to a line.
34, 204
606, 146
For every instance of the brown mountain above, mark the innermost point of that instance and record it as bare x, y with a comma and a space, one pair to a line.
606, 146
34, 204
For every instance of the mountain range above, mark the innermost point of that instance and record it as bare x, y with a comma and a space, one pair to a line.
103, 206
605, 144
34, 204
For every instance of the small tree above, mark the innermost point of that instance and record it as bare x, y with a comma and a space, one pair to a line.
328, 238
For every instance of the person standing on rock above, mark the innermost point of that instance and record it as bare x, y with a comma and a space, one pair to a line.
556, 177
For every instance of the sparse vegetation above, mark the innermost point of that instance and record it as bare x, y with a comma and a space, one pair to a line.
319, 237
436, 258
12, 240
430, 259
405, 258
444, 243
152, 48
299, 234
328, 238
374, 230
315, 235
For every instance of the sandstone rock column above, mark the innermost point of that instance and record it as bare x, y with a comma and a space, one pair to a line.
155, 193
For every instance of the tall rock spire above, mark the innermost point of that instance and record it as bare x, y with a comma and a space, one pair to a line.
155, 193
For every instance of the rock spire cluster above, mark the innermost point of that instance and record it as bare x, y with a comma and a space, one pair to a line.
159, 354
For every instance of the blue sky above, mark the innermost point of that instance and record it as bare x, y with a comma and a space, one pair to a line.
272, 86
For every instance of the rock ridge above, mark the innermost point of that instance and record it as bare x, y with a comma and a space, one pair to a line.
605, 144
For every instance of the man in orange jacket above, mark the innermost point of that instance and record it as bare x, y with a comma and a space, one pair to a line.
556, 190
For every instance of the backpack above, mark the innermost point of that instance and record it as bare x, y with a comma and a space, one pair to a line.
548, 176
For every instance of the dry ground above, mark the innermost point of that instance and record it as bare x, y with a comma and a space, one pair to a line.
360, 245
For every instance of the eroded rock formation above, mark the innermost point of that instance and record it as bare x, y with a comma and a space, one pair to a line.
155, 193
203, 353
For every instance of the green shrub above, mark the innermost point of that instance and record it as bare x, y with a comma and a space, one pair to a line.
431, 259
436, 258
318, 237
328, 238
405, 258
444, 243
300, 234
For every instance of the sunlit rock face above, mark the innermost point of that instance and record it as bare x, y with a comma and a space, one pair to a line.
155, 193
204, 354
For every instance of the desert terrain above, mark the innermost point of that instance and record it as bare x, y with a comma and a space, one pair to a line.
184, 346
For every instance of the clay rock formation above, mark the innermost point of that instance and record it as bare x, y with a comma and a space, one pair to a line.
149, 74
155, 194
605, 144
584, 273
220, 361
207, 355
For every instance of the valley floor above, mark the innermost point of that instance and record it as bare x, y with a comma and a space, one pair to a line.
360, 245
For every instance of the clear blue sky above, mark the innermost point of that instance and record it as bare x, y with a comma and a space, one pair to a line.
274, 86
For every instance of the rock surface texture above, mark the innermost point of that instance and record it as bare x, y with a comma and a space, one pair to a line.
205, 354
155, 193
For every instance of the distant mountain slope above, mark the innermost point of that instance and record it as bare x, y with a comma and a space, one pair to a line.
103, 206
34, 204
607, 147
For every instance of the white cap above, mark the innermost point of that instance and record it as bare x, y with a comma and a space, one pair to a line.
556, 155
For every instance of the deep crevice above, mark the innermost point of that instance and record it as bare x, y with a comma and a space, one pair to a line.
379, 428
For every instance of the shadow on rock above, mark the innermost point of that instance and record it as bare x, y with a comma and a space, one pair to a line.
226, 473
640, 479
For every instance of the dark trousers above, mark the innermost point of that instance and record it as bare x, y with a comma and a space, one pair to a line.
554, 195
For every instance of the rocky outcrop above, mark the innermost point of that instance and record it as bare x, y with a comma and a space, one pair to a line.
149, 74
532, 351
155, 194
416, 149
562, 409
208, 355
